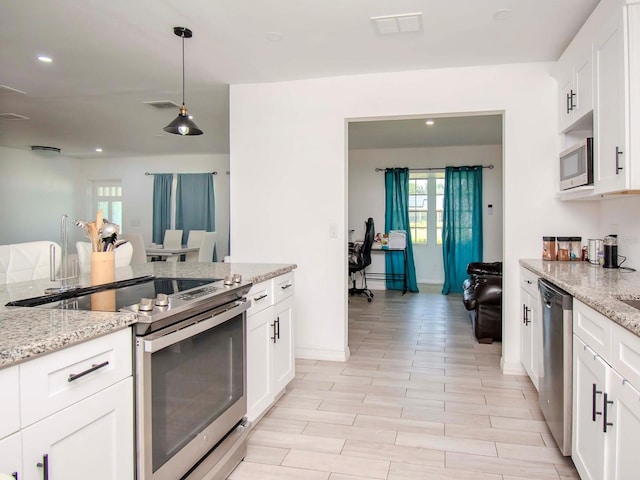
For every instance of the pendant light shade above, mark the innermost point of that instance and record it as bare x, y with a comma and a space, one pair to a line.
183, 125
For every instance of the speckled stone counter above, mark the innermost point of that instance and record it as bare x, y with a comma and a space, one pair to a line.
600, 288
29, 332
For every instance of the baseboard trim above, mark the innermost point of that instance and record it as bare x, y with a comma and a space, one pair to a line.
512, 368
326, 355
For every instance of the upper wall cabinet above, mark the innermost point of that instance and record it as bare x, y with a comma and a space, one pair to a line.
575, 81
599, 74
611, 167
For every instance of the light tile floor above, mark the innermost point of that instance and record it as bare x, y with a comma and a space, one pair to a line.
418, 399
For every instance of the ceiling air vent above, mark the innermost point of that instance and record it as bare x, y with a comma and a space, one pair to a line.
13, 116
162, 104
394, 24
43, 149
4, 90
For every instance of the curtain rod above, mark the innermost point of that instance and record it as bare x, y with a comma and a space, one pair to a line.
212, 173
430, 168
157, 173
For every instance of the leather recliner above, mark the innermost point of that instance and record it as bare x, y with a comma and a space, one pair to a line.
482, 297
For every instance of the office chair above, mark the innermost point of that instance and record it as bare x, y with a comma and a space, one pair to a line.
359, 259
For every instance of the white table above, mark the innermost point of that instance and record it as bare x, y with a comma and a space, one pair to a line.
166, 253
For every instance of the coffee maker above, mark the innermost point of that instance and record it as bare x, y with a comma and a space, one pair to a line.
610, 251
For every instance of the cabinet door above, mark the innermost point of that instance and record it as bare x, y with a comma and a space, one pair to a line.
583, 82
588, 440
91, 439
11, 455
530, 340
565, 84
284, 367
611, 165
10, 401
260, 330
623, 435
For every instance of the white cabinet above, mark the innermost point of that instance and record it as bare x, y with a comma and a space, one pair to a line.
606, 404
611, 36
90, 439
283, 350
575, 81
270, 348
589, 373
11, 455
531, 324
75, 414
612, 169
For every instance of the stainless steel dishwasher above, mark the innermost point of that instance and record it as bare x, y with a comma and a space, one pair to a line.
555, 379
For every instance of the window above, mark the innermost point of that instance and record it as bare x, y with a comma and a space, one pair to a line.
107, 196
426, 199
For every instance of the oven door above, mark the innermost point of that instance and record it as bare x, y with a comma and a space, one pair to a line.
190, 389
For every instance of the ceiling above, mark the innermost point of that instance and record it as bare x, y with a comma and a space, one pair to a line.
109, 57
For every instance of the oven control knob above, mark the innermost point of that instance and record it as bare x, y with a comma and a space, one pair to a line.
162, 300
146, 304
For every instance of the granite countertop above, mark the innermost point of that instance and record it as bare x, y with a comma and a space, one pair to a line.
29, 332
600, 288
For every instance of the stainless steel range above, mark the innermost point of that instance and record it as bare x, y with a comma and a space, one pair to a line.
190, 370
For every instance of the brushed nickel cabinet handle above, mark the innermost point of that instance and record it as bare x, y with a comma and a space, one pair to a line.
94, 367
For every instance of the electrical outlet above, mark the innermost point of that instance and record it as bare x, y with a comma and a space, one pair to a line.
333, 230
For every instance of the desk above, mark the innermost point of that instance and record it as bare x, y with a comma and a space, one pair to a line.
166, 253
391, 276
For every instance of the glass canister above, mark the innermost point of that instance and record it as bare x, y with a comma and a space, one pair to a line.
548, 248
564, 248
595, 251
575, 249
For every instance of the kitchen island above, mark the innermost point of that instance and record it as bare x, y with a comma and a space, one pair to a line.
599, 288
26, 333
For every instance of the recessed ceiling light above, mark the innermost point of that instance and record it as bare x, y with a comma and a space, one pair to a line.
274, 36
504, 14
42, 58
99, 150
429, 122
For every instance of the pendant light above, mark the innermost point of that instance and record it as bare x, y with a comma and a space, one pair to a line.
183, 125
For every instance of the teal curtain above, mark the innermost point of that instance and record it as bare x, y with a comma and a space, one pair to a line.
195, 203
461, 224
161, 205
396, 217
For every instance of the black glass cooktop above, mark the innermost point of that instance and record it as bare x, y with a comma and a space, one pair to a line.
127, 292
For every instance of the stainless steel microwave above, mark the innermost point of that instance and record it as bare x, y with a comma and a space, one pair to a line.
576, 165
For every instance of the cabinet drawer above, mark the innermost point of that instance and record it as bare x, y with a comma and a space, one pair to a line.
9, 401
283, 286
11, 455
529, 282
592, 328
261, 296
625, 355
55, 381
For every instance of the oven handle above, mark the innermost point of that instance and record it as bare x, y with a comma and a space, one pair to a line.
157, 341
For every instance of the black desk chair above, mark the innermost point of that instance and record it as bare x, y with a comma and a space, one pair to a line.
359, 259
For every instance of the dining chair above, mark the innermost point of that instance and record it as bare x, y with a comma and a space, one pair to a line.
20, 262
194, 240
137, 242
172, 239
207, 247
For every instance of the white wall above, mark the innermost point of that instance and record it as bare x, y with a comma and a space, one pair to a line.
289, 184
138, 188
35, 191
366, 198
621, 216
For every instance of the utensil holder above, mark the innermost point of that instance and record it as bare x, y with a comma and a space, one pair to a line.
103, 267
103, 270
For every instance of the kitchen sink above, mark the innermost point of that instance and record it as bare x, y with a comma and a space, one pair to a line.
631, 302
